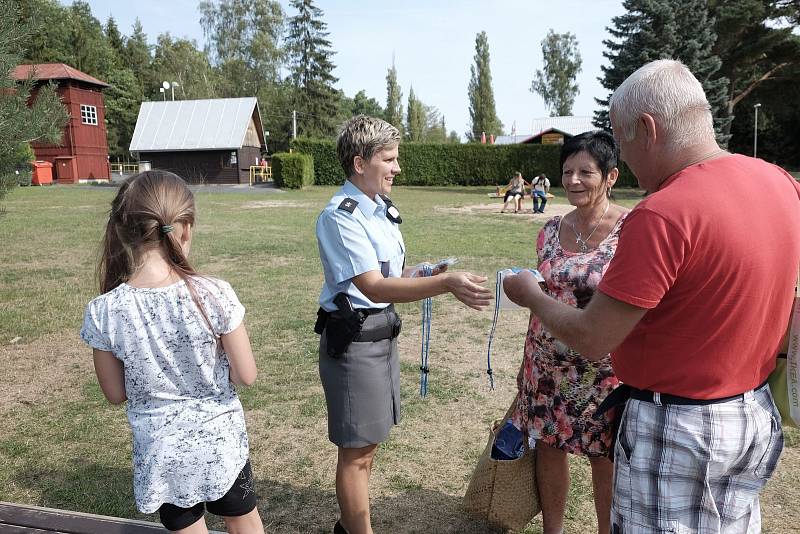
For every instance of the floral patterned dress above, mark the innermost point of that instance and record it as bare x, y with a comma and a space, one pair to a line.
558, 389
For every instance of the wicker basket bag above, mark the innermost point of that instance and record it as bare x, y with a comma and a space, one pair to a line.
503, 492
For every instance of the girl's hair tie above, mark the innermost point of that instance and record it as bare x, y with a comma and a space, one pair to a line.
167, 228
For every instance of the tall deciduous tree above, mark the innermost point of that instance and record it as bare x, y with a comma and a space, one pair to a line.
20, 124
243, 41
676, 29
180, 60
394, 99
482, 113
311, 70
555, 83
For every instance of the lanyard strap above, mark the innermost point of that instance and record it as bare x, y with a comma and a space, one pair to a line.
497, 289
427, 310
793, 357
501, 301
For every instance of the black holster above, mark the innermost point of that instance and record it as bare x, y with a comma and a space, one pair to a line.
341, 326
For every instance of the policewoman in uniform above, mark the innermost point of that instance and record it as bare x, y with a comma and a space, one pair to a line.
363, 258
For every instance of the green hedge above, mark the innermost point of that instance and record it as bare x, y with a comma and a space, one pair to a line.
452, 164
292, 171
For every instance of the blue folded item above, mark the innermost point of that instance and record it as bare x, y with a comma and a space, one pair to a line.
509, 443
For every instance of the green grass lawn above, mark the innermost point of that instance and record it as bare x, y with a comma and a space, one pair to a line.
63, 446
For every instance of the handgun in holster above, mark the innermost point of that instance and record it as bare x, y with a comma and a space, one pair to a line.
340, 326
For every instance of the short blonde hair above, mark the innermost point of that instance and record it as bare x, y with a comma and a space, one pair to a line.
363, 136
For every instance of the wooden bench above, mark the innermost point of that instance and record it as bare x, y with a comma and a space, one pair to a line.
500, 192
24, 519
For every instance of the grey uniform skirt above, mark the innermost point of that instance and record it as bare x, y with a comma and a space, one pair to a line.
362, 387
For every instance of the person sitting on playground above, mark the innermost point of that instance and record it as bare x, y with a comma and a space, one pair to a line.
515, 191
539, 191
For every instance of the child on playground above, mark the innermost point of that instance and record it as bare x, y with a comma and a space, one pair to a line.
172, 344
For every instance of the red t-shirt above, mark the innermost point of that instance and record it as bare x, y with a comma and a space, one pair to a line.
713, 255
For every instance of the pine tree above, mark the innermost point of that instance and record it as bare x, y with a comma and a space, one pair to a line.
394, 100
482, 113
90, 50
311, 70
415, 121
20, 124
361, 104
49, 43
116, 40
660, 29
138, 59
770, 48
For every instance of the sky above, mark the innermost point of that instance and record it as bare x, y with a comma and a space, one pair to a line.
433, 43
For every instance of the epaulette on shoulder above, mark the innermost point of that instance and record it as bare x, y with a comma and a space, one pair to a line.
348, 205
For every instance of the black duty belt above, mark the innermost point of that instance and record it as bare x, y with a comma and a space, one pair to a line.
346, 324
387, 331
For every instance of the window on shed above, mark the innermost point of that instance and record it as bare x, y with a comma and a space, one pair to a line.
229, 159
88, 114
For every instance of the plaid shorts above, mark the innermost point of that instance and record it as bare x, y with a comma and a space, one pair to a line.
694, 469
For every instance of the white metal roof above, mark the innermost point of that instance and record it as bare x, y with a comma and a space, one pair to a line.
569, 125
214, 124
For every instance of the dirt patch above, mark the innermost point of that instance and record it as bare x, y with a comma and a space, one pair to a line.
53, 367
474, 209
262, 204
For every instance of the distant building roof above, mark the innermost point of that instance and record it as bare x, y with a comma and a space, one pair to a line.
569, 125
566, 125
214, 124
54, 71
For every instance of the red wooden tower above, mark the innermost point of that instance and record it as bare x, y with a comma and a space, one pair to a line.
83, 153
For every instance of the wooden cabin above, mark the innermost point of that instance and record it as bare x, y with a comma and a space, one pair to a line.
212, 141
83, 152
549, 131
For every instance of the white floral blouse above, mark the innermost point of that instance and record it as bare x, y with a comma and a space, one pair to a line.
189, 436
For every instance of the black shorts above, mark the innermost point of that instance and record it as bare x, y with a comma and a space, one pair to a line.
240, 500
512, 194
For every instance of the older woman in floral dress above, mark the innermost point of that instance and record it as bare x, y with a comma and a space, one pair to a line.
558, 389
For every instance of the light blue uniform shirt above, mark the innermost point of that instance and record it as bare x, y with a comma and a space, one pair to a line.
351, 244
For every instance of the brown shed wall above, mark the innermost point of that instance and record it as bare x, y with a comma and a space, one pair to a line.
197, 167
247, 158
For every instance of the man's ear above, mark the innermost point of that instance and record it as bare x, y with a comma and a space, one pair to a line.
650, 130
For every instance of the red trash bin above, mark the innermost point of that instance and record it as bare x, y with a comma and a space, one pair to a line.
42, 173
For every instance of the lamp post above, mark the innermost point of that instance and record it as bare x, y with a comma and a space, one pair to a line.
755, 130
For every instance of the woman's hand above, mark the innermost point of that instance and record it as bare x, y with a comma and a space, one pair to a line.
464, 286
521, 288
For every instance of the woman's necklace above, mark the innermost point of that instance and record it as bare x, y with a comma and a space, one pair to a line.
580, 241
